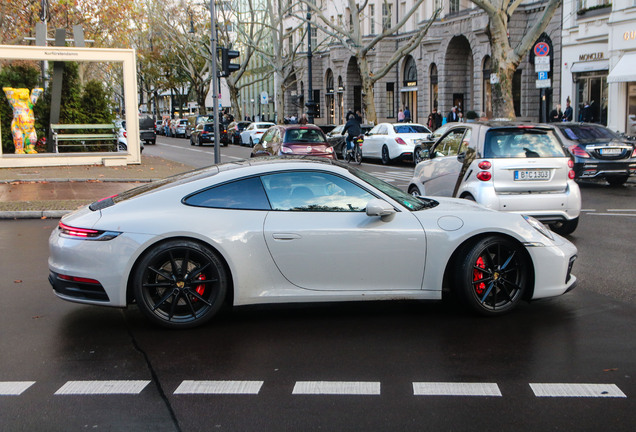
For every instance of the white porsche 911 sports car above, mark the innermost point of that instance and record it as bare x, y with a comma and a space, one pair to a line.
297, 230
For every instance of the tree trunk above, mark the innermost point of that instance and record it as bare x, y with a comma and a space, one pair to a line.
368, 100
234, 97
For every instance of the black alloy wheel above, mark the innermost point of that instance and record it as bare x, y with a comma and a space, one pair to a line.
492, 275
417, 155
180, 284
385, 155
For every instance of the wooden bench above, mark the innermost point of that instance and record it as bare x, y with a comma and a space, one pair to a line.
108, 137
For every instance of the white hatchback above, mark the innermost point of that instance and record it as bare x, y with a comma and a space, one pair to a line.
520, 168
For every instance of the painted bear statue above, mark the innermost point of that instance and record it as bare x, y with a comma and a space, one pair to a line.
23, 124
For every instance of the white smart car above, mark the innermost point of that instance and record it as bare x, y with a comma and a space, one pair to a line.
514, 167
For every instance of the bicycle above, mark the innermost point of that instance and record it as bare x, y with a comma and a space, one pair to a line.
355, 154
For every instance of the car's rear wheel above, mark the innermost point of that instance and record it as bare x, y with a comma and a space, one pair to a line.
565, 227
413, 190
492, 275
417, 155
617, 180
385, 155
180, 284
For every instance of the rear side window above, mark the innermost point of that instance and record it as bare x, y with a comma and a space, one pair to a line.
410, 128
246, 194
588, 133
521, 143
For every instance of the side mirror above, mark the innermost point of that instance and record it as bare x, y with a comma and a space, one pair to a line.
430, 137
381, 208
461, 157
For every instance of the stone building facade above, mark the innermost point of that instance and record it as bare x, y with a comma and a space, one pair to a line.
451, 67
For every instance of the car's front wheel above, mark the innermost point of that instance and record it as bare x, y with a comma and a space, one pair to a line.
413, 190
180, 284
492, 275
386, 159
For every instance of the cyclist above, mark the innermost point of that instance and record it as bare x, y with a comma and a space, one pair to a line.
352, 129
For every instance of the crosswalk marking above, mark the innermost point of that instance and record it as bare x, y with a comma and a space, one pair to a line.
455, 389
14, 388
390, 176
336, 388
101, 387
576, 390
219, 387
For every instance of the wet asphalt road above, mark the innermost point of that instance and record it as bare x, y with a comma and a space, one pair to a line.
386, 356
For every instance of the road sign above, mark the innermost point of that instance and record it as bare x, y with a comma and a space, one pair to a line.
542, 76
541, 49
264, 98
544, 83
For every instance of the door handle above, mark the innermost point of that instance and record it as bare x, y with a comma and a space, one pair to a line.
286, 236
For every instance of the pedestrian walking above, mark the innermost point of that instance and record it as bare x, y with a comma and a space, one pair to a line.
434, 120
452, 115
407, 114
568, 113
556, 115
400, 117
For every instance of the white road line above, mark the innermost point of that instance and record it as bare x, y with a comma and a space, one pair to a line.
101, 387
14, 388
613, 214
455, 389
219, 387
336, 388
577, 390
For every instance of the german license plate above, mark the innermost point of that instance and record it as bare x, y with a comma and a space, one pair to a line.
523, 175
611, 151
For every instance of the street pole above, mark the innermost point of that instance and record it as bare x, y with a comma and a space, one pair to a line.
215, 84
310, 91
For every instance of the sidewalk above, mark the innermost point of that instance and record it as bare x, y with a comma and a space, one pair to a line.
54, 191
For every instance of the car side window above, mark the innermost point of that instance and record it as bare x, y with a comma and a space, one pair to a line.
245, 194
449, 145
465, 142
314, 191
382, 130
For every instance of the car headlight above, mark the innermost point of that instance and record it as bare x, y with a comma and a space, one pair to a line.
539, 226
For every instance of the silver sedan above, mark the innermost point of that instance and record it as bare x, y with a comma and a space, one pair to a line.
297, 230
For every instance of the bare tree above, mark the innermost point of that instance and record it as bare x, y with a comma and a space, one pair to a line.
505, 58
351, 36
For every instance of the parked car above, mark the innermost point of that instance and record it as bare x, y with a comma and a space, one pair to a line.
194, 120
178, 128
147, 132
252, 134
159, 126
234, 131
393, 141
337, 140
426, 143
598, 152
203, 133
122, 137
293, 139
514, 167
313, 230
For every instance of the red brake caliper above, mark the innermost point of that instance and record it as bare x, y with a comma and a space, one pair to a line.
477, 275
200, 288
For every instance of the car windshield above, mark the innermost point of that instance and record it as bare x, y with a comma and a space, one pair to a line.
588, 133
521, 143
304, 136
410, 128
407, 200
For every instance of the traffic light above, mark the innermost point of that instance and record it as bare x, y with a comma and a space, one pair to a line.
226, 57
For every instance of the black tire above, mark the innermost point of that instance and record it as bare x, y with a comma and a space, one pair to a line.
199, 141
191, 141
357, 154
251, 143
565, 227
152, 142
617, 181
492, 275
468, 197
413, 190
385, 155
122, 147
180, 284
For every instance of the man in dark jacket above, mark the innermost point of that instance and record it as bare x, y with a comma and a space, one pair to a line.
352, 129
452, 115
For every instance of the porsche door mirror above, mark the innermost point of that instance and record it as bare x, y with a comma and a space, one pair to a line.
381, 208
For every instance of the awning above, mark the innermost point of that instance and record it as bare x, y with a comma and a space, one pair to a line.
590, 66
625, 70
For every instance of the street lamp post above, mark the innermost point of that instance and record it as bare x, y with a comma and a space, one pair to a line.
215, 84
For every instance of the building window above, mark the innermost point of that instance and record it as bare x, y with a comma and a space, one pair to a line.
434, 90
314, 37
372, 19
387, 12
390, 100
453, 6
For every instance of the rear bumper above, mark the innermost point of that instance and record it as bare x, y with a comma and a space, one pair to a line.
603, 169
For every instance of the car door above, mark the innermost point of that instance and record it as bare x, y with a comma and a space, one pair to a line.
441, 172
321, 238
373, 142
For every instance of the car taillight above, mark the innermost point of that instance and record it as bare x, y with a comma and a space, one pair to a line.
484, 165
634, 152
400, 141
484, 175
125, 134
577, 150
329, 150
571, 173
86, 233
